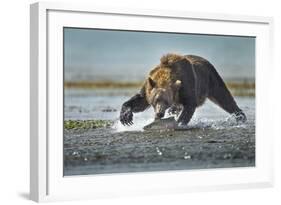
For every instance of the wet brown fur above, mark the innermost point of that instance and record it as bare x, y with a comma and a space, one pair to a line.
165, 80
170, 58
162, 74
188, 80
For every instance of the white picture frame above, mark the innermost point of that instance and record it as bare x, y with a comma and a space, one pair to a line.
47, 182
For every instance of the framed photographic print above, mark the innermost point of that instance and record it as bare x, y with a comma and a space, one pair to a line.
127, 102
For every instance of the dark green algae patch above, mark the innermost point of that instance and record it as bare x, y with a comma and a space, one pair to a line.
87, 124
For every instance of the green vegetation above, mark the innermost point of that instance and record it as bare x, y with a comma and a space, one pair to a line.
244, 88
102, 84
86, 124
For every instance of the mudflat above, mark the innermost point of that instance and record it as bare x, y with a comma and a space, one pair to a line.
103, 150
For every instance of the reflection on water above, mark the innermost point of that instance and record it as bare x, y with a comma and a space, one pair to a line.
214, 139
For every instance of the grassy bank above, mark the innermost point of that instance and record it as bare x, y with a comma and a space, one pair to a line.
244, 88
102, 84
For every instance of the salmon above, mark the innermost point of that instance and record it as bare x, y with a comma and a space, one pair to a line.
163, 124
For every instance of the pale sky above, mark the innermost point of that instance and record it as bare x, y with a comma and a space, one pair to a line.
96, 55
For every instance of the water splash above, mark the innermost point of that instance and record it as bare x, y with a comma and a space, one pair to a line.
216, 124
206, 116
140, 120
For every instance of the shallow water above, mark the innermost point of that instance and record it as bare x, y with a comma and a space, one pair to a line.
213, 140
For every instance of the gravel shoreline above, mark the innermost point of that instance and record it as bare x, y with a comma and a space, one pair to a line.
102, 150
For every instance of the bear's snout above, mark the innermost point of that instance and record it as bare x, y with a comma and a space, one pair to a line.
159, 110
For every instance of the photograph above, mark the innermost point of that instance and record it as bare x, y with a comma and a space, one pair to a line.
147, 101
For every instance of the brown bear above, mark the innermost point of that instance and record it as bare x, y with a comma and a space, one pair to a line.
180, 84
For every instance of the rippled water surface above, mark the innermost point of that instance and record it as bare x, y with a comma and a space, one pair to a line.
213, 139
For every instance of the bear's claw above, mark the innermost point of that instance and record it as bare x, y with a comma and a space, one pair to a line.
126, 117
174, 109
240, 117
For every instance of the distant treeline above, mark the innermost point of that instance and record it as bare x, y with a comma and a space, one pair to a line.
238, 88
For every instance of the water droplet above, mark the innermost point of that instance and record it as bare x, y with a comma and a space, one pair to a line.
187, 157
227, 156
158, 151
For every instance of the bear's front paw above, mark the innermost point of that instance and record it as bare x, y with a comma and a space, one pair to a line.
126, 116
174, 110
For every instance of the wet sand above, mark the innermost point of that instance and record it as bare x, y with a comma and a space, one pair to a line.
103, 150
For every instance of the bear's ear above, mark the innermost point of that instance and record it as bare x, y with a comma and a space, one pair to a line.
177, 85
151, 83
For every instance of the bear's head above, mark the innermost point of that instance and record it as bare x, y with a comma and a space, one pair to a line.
162, 98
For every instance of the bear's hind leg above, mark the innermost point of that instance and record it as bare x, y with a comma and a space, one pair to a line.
221, 96
230, 108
